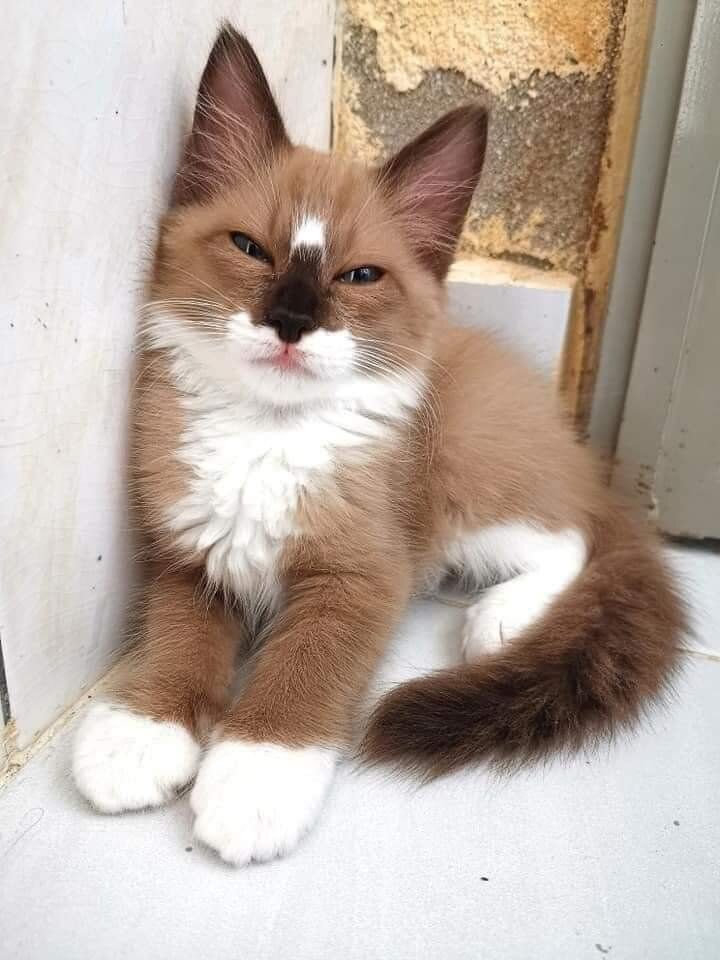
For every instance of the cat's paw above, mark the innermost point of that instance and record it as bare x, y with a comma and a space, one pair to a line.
126, 761
254, 801
489, 623
503, 612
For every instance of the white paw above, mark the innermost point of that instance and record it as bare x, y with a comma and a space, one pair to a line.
126, 761
254, 801
502, 613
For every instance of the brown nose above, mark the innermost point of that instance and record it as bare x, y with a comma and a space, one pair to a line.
293, 309
290, 326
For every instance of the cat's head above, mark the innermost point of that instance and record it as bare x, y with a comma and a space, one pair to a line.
294, 276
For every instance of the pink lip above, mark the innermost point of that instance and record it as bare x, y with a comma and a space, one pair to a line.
287, 357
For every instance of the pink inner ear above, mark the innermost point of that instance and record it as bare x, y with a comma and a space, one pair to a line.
432, 180
236, 119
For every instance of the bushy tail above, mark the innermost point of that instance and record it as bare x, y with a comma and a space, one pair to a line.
606, 648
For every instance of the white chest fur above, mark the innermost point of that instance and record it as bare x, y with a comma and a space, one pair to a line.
247, 478
249, 470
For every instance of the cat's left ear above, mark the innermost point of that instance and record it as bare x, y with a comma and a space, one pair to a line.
431, 182
236, 123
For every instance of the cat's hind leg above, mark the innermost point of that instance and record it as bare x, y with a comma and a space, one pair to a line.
528, 567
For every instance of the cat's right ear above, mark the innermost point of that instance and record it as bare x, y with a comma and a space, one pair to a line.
431, 183
236, 122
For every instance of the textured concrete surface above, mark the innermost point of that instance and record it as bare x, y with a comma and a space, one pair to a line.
546, 70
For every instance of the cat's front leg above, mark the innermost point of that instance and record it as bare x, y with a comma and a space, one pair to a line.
140, 745
262, 784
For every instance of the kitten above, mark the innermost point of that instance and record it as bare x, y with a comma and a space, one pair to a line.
314, 443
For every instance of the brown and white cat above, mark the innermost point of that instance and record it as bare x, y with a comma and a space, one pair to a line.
314, 443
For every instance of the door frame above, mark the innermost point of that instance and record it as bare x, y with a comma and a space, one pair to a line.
674, 284
667, 61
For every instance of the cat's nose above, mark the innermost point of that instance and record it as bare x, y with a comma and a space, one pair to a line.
289, 324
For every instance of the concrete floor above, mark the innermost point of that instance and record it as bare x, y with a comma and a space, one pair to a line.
614, 854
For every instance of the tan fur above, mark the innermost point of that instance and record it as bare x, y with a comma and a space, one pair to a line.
485, 446
183, 668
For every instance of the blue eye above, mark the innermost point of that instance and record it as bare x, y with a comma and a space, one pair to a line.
245, 243
361, 275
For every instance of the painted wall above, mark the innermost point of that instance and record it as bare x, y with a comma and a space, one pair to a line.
96, 97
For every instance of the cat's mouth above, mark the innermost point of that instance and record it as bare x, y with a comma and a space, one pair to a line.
288, 359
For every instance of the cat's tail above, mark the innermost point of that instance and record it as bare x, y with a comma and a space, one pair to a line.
603, 651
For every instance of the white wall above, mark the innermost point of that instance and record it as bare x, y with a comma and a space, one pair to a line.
527, 309
95, 96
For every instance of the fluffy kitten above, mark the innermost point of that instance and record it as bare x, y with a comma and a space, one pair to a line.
313, 444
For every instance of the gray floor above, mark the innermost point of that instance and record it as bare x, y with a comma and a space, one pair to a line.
613, 854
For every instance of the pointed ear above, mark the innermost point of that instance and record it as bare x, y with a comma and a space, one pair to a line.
431, 182
236, 120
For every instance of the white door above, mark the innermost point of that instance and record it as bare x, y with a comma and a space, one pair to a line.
668, 451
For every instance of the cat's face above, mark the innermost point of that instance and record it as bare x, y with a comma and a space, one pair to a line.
289, 275
297, 282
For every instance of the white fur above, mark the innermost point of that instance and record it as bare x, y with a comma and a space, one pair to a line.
254, 801
539, 565
251, 461
232, 366
125, 761
327, 373
308, 232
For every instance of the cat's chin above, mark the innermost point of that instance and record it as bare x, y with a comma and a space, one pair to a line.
288, 386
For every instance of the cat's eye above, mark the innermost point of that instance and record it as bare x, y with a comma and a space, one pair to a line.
245, 243
365, 274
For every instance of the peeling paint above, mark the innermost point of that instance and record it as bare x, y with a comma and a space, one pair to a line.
562, 80
544, 68
352, 133
14, 758
494, 43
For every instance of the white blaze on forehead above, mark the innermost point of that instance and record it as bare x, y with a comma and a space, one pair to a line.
308, 231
